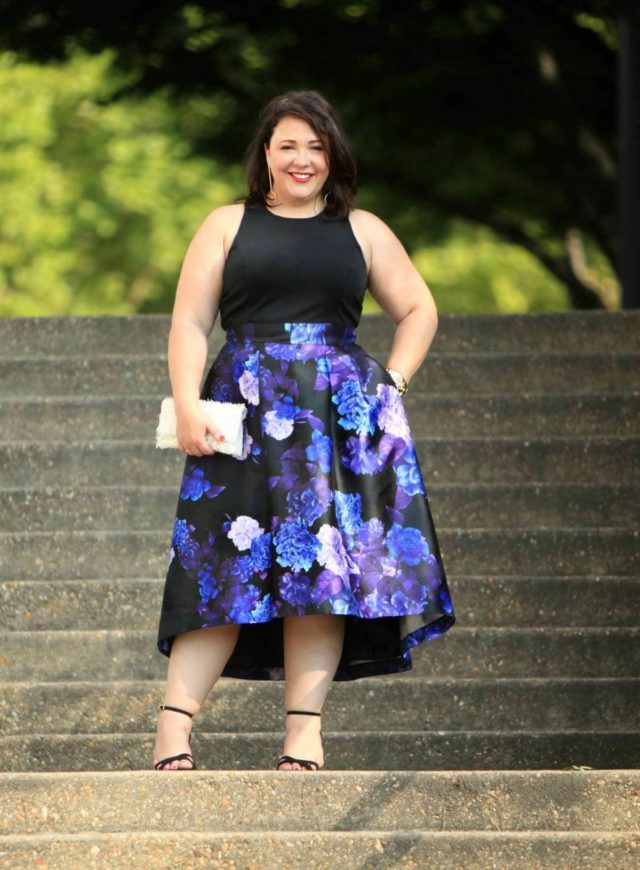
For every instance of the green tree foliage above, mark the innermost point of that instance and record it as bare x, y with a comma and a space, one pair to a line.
100, 196
500, 113
483, 133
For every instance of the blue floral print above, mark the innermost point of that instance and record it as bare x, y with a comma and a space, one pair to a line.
326, 511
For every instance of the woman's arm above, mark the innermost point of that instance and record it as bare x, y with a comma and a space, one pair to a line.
400, 290
196, 307
194, 314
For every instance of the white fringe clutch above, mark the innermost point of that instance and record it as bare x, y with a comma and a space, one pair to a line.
227, 416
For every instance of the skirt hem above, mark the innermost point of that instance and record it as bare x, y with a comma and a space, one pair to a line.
400, 663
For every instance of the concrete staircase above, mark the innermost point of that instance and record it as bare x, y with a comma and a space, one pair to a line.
514, 742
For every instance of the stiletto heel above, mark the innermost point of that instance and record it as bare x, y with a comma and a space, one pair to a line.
303, 762
159, 765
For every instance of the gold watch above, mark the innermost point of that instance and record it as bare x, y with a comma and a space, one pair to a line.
399, 381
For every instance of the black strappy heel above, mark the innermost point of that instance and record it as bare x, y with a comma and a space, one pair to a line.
159, 765
304, 762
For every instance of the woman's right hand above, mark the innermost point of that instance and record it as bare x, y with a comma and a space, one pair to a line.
192, 426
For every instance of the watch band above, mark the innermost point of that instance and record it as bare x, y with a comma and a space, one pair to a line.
399, 380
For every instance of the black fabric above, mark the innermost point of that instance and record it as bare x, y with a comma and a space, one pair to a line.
283, 269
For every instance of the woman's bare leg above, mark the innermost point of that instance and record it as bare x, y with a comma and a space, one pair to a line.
312, 650
197, 659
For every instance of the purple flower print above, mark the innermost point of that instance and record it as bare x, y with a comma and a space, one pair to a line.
355, 411
235, 571
307, 333
207, 583
286, 352
264, 610
308, 504
261, 552
296, 546
295, 589
356, 455
189, 554
286, 408
332, 554
243, 530
320, 450
407, 544
248, 382
323, 365
409, 477
243, 603
392, 417
180, 533
276, 427
349, 511
195, 485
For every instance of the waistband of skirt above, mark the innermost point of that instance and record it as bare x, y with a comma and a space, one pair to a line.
297, 332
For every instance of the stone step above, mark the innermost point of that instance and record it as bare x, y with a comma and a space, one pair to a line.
465, 850
466, 505
36, 605
532, 465
466, 652
421, 750
608, 331
426, 704
441, 373
44, 419
443, 460
96, 555
314, 851
270, 801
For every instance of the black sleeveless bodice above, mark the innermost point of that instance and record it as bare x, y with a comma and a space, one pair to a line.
293, 269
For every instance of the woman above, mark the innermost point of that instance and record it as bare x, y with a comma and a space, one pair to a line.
314, 557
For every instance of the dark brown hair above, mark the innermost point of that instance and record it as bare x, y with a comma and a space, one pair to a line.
313, 108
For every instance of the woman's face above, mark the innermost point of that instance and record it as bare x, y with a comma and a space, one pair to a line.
296, 148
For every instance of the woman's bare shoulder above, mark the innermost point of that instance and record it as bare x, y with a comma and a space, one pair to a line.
224, 214
369, 229
368, 221
222, 224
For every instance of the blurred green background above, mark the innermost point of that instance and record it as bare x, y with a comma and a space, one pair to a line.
483, 132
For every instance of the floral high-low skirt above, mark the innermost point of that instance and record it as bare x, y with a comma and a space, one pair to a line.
326, 512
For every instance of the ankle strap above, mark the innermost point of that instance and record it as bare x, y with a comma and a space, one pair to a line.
177, 709
306, 712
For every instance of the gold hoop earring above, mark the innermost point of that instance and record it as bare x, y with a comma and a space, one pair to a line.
271, 197
328, 194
